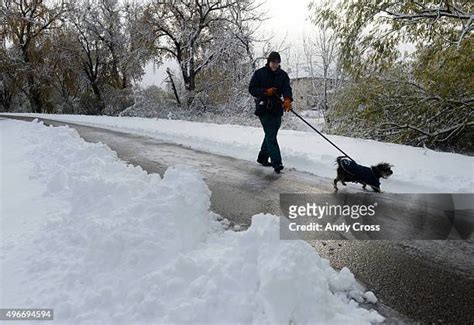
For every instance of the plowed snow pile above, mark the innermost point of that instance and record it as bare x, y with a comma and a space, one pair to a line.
99, 240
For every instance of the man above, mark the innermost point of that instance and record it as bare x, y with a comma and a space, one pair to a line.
270, 86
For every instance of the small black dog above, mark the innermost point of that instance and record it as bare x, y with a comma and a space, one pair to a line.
349, 171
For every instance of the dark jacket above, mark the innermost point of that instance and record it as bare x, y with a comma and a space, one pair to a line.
362, 174
265, 78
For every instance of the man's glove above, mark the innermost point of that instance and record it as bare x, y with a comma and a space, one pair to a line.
271, 91
287, 104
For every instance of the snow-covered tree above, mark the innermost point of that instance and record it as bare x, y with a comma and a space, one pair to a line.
201, 35
371, 32
111, 49
422, 98
25, 25
322, 62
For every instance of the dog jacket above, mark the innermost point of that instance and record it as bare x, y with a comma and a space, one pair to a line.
362, 174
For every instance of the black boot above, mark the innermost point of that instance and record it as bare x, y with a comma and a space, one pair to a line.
278, 168
264, 162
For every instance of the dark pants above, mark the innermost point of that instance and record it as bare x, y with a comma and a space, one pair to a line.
270, 148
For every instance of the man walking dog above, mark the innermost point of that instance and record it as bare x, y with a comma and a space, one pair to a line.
270, 86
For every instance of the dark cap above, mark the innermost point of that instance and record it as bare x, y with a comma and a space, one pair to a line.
274, 56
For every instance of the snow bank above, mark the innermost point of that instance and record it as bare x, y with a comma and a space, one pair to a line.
102, 241
416, 169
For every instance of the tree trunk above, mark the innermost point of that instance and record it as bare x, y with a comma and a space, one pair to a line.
173, 86
98, 97
34, 96
6, 97
189, 86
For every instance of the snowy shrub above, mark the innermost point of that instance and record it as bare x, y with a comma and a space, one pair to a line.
150, 102
117, 100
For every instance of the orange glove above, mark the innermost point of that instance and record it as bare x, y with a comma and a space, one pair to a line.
287, 104
271, 91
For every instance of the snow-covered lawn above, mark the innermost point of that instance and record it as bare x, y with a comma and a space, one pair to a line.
99, 240
416, 169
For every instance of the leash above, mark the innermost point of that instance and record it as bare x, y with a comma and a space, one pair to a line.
325, 138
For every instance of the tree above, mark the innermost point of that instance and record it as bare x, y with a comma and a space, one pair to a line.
65, 71
322, 58
371, 32
200, 34
425, 102
424, 98
90, 52
111, 48
25, 24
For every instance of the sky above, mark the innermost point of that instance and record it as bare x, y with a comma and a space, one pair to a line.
288, 20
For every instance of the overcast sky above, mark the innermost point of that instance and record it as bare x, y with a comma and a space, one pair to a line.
286, 18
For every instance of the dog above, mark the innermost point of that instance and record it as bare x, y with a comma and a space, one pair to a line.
349, 171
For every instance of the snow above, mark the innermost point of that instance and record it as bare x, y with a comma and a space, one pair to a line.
370, 296
417, 170
105, 242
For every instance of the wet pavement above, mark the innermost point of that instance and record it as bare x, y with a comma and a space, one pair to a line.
422, 281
